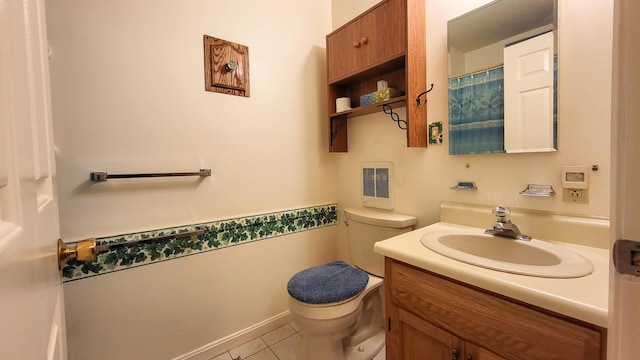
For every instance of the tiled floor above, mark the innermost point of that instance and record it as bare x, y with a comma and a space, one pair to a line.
284, 343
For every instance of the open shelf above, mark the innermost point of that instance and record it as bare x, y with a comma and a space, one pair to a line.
369, 109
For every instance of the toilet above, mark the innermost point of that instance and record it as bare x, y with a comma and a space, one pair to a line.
339, 307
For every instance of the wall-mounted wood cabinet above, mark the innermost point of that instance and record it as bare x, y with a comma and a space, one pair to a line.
432, 317
387, 42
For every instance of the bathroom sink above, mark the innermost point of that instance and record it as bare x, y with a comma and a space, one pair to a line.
534, 258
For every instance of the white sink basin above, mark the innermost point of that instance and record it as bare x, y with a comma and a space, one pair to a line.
534, 258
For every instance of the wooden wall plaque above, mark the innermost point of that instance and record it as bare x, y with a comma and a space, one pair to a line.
226, 67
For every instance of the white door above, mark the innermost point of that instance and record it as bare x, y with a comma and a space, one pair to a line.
528, 95
624, 299
31, 303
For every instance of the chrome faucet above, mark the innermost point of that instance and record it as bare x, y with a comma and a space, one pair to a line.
504, 227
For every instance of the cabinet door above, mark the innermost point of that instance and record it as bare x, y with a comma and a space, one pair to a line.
377, 36
384, 33
422, 340
344, 50
475, 352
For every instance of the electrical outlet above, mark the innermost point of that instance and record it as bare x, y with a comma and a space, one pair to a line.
575, 193
579, 196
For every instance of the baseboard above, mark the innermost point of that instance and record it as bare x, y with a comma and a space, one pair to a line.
232, 341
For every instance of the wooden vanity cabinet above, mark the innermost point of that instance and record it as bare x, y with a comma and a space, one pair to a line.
386, 42
423, 340
433, 317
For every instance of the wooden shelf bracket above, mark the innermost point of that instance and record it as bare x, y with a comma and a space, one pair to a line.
337, 122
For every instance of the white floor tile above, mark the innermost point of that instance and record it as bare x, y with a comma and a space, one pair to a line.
294, 326
248, 349
283, 343
224, 356
265, 354
289, 348
278, 334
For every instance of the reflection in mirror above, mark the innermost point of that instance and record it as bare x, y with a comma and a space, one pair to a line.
503, 79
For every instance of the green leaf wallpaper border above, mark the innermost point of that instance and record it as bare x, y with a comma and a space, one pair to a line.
218, 234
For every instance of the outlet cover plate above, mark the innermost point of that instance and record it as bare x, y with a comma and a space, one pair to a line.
568, 196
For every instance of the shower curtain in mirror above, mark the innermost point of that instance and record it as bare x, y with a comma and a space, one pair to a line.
476, 112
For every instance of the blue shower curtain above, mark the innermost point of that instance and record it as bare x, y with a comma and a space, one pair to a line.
476, 113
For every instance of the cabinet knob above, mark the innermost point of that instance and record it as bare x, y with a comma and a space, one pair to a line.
356, 44
231, 65
364, 40
455, 354
469, 357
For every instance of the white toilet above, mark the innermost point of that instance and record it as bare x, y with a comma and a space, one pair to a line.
339, 307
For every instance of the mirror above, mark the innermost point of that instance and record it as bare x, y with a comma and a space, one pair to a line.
503, 78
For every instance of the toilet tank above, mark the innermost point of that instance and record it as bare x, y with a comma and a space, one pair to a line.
366, 226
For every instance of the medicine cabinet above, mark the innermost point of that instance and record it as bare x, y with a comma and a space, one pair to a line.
503, 78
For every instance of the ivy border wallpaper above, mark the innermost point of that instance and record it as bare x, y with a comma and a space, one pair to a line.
127, 251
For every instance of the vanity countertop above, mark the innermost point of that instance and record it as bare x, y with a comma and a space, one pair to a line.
584, 298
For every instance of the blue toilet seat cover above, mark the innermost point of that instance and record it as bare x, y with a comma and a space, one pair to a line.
329, 283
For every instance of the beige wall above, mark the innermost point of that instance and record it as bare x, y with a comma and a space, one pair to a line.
128, 97
128, 93
423, 176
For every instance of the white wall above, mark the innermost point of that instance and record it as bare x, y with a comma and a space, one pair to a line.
423, 176
128, 97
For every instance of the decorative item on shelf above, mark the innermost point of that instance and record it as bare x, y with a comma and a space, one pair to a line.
538, 190
367, 99
383, 93
435, 133
465, 185
423, 93
386, 94
343, 104
379, 96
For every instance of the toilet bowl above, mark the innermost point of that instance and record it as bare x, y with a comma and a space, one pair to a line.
339, 330
338, 306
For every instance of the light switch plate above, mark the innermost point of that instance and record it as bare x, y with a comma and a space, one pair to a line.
435, 133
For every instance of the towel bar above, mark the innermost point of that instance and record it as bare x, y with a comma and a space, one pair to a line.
87, 250
104, 176
105, 247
